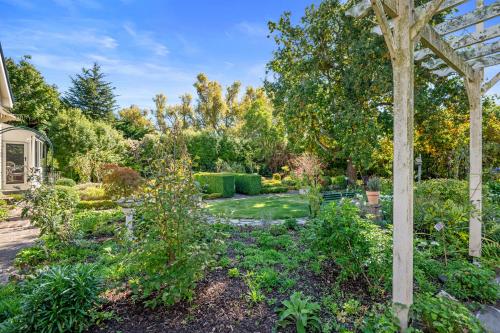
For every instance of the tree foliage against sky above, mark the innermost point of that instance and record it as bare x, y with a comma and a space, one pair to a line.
91, 93
36, 102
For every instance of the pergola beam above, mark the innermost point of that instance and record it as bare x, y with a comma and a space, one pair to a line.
464, 41
481, 50
362, 8
475, 37
432, 40
476, 16
477, 51
488, 85
487, 61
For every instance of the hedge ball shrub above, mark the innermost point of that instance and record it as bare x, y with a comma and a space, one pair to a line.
216, 183
66, 182
247, 183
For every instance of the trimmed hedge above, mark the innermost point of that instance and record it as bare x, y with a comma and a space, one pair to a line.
247, 183
66, 182
216, 183
97, 204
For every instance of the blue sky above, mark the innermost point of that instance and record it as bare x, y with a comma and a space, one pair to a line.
146, 47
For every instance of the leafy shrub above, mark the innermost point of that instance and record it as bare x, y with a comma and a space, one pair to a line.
291, 224
4, 213
210, 196
30, 257
174, 245
380, 320
247, 183
97, 204
60, 299
98, 223
290, 182
270, 182
274, 189
217, 183
66, 182
358, 246
10, 301
276, 176
51, 209
471, 283
339, 182
301, 311
93, 193
442, 315
121, 182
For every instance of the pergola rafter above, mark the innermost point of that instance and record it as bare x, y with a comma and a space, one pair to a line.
403, 26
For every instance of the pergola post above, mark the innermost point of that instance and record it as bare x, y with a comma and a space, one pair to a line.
402, 64
473, 87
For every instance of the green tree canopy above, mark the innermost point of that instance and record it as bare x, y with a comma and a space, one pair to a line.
133, 122
91, 93
36, 102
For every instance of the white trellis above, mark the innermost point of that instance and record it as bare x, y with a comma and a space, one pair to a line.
403, 26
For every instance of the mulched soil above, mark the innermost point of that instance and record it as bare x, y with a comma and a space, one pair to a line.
219, 306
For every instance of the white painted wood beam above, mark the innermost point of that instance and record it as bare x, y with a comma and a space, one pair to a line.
488, 85
476, 16
431, 39
477, 51
464, 41
474, 38
480, 50
363, 7
487, 61
423, 16
444, 72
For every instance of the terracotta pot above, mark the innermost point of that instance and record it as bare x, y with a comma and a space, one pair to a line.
373, 197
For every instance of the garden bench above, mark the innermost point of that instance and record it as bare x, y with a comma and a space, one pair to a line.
336, 196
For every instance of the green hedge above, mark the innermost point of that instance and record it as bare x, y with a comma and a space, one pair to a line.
216, 183
97, 204
274, 189
247, 183
66, 182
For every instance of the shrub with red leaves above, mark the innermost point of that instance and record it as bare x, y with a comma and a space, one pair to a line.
120, 182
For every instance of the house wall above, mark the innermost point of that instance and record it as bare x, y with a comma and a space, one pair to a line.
20, 136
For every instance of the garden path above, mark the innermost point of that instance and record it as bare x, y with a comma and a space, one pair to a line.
15, 234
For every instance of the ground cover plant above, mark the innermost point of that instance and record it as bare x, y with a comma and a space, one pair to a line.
261, 207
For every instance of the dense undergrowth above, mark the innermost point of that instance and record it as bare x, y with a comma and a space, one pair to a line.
332, 275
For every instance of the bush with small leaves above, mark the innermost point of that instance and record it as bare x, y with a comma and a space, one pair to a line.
443, 315
51, 209
121, 182
302, 312
66, 182
291, 224
468, 282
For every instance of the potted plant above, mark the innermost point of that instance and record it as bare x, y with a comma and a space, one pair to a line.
373, 190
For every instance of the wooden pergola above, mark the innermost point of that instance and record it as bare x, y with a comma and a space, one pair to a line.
403, 27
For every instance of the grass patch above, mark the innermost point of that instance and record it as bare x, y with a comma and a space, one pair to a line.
266, 207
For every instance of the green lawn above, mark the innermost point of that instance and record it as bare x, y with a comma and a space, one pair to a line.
267, 207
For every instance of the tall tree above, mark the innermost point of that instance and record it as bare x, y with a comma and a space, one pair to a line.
233, 106
133, 122
92, 94
161, 111
36, 102
186, 115
211, 106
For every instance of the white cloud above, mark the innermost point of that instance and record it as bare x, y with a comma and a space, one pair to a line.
145, 39
252, 29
